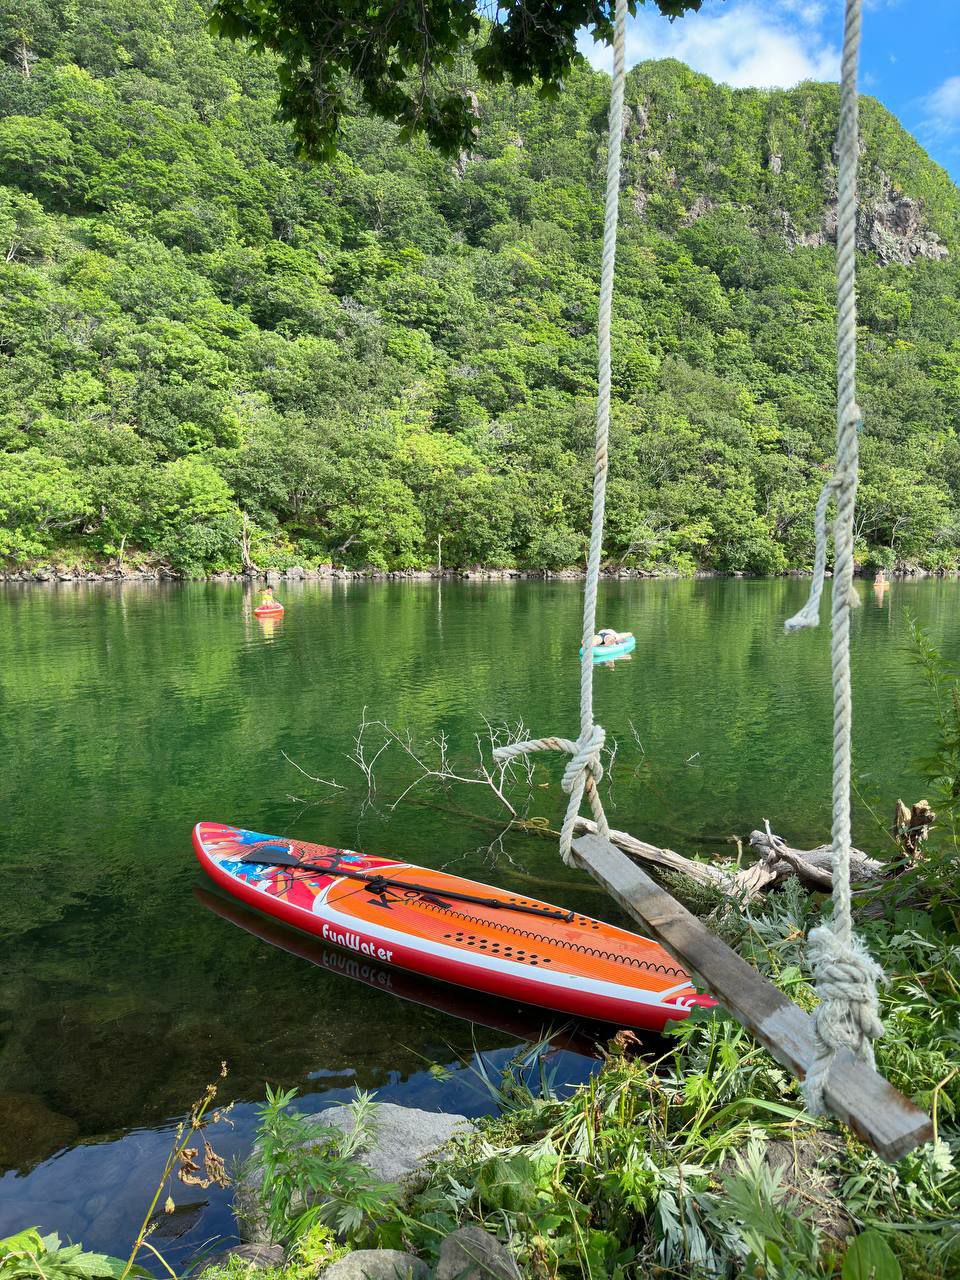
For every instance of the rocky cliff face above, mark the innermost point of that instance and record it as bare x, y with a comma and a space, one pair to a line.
693, 148
893, 226
890, 225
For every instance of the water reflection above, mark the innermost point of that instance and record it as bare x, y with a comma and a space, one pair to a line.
129, 712
521, 1022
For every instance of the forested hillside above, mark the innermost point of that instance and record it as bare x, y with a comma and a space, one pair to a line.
213, 353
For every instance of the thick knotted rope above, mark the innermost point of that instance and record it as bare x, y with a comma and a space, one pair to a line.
584, 770
845, 975
582, 774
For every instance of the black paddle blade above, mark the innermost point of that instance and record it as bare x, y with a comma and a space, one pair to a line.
276, 858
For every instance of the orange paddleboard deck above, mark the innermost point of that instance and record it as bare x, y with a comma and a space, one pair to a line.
443, 926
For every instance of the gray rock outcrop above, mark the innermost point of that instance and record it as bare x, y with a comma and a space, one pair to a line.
377, 1264
404, 1139
473, 1254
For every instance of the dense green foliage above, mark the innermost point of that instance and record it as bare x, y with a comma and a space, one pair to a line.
30, 1256
211, 351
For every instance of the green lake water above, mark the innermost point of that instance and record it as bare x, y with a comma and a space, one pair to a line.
129, 713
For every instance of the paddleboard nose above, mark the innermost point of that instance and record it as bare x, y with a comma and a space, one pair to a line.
701, 1000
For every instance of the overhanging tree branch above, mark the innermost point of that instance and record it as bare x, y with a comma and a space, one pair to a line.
410, 59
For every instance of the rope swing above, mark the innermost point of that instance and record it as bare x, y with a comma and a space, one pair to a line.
846, 976
832, 1052
585, 769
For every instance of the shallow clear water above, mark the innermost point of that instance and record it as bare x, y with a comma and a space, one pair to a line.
128, 713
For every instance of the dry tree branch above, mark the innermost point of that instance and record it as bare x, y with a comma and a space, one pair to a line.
323, 782
358, 755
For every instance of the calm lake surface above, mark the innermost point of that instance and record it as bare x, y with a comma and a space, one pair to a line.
128, 713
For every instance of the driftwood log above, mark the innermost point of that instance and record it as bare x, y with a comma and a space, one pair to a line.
701, 873
777, 862
814, 867
912, 826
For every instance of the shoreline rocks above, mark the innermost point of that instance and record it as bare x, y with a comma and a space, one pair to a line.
258, 1256
159, 575
403, 1143
377, 1264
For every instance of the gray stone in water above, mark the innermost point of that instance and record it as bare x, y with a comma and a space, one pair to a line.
377, 1264
257, 1255
94, 1205
403, 1139
474, 1254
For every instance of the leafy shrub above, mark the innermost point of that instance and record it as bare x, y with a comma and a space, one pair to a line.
312, 1174
30, 1256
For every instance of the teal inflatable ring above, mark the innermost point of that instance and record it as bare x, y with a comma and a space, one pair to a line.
604, 652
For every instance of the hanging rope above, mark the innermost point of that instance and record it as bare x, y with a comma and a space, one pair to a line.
846, 976
585, 770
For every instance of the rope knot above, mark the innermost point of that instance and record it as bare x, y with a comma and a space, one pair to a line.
842, 486
584, 770
585, 760
847, 1018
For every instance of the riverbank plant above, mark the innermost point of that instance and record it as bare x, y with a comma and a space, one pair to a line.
312, 1178
30, 1256
191, 1161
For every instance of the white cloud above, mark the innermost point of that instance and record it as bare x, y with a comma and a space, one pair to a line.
808, 11
743, 45
942, 108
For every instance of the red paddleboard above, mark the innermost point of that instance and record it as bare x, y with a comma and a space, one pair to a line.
268, 611
443, 926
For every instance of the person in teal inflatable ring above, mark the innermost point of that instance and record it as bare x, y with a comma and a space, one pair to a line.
606, 636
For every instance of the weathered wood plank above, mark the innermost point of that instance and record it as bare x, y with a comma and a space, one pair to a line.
701, 872
855, 1093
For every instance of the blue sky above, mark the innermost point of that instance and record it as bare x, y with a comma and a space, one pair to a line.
910, 57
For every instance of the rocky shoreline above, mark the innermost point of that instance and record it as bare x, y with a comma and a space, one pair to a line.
52, 574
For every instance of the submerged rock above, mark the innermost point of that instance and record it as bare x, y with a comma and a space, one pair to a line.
377, 1264
30, 1131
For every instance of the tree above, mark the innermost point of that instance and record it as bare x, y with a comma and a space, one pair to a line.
39, 498
406, 56
36, 154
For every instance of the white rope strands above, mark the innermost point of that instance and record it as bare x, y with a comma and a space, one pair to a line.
846, 976
585, 770
832, 1053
